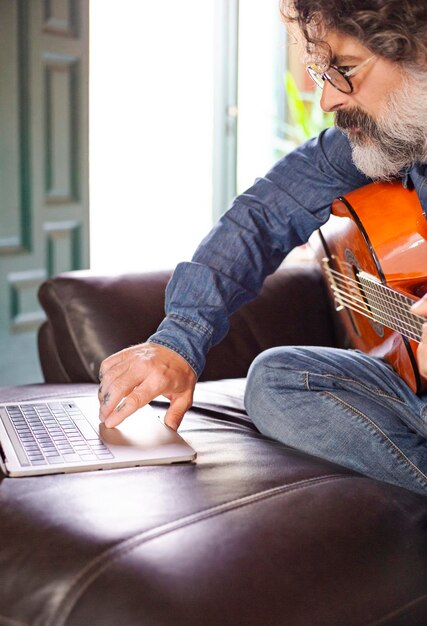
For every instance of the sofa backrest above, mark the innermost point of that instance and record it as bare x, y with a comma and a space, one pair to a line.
91, 316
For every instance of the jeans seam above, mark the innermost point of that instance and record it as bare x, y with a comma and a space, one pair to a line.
394, 449
375, 390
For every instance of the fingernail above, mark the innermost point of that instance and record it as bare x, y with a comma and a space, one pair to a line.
109, 422
416, 305
101, 418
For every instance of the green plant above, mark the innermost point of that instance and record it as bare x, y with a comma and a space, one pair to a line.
306, 118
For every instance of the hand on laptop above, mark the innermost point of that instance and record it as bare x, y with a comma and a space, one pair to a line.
133, 377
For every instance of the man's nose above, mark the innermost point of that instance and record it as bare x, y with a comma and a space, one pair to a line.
332, 99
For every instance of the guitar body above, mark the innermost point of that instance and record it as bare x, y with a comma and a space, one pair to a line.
379, 229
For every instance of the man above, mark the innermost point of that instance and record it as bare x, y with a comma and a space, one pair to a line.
370, 58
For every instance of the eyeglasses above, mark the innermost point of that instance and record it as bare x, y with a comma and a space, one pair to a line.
339, 77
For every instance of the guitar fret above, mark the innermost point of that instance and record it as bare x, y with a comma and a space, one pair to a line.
378, 302
389, 320
398, 303
390, 317
359, 306
414, 322
404, 326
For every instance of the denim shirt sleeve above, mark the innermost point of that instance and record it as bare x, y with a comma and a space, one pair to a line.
279, 212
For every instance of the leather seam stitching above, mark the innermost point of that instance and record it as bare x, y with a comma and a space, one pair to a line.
399, 611
91, 571
10, 621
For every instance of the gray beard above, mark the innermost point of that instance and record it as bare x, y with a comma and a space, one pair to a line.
400, 137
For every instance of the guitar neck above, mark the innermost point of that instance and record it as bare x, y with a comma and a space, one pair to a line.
366, 295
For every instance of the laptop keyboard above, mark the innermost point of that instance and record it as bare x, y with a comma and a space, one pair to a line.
56, 433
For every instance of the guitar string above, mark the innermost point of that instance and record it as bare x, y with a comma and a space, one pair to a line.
381, 316
389, 319
363, 311
386, 291
412, 323
396, 308
411, 326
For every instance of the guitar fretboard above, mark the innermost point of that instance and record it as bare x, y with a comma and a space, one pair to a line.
366, 295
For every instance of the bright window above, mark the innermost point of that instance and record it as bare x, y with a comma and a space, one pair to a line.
151, 95
261, 89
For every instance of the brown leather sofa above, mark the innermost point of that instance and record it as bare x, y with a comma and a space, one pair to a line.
253, 534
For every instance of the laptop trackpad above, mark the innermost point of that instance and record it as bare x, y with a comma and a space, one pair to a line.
142, 430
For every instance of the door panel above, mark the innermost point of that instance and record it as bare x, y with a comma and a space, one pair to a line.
44, 220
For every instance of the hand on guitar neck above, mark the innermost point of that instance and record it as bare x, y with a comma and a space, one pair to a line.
420, 308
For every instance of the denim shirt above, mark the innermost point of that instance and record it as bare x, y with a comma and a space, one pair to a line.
279, 212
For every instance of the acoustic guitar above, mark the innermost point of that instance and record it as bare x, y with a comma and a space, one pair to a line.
373, 252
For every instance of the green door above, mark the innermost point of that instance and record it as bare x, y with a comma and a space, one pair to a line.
44, 207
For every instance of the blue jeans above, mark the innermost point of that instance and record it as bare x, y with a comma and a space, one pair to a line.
343, 406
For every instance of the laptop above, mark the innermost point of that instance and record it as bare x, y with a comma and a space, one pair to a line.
65, 435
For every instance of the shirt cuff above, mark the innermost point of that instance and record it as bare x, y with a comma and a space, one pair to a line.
185, 337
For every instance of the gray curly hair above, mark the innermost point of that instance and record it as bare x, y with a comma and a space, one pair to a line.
393, 29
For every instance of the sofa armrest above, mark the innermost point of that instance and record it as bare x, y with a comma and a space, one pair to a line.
91, 316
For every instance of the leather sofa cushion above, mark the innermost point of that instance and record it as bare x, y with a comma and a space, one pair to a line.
254, 533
